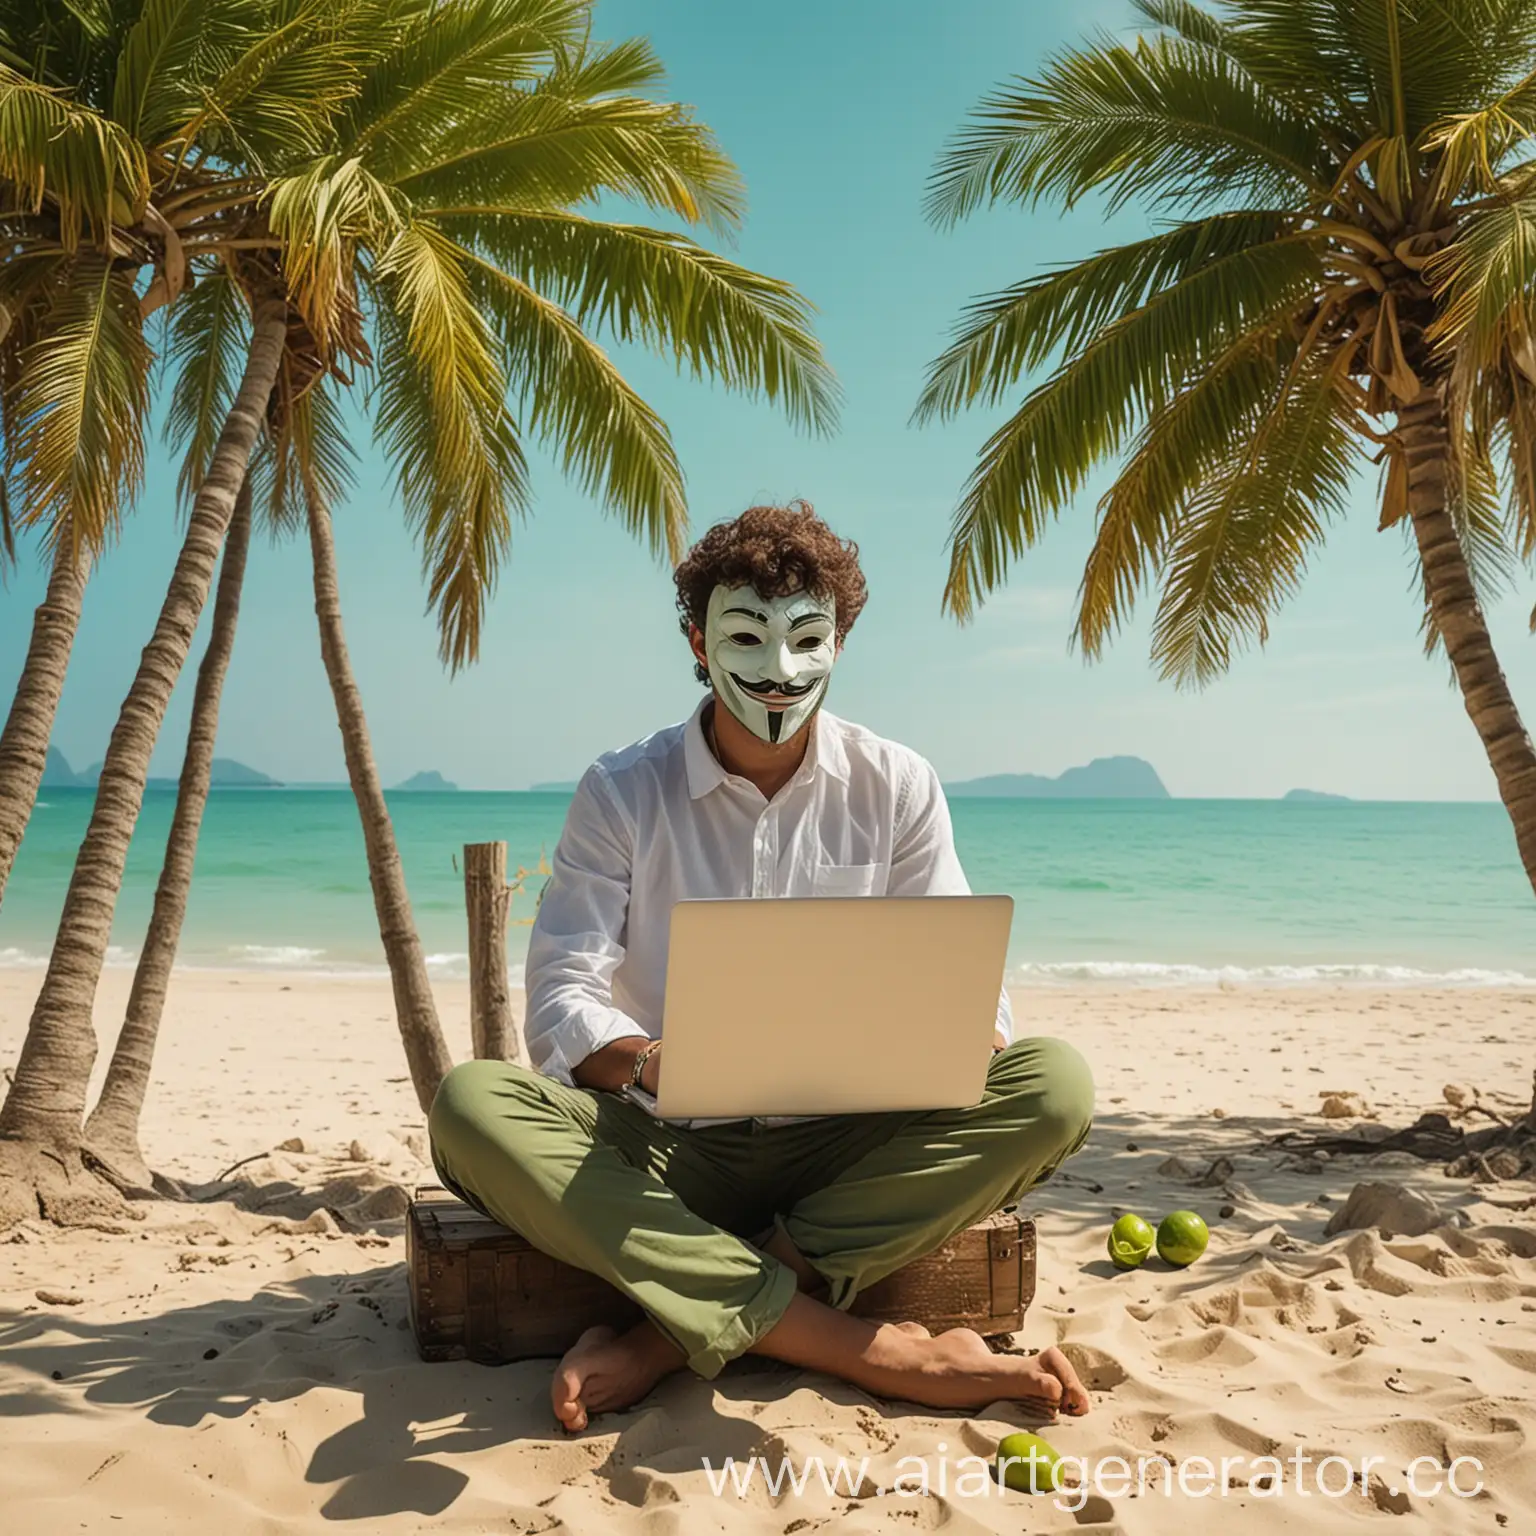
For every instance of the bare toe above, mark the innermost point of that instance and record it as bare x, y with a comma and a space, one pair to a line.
565, 1391
1072, 1395
914, 1330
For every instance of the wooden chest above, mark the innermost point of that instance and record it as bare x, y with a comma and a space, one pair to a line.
480, 1292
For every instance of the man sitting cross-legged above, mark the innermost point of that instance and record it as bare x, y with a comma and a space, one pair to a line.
747, 1235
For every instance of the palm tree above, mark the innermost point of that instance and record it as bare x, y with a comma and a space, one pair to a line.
112, 1128
1347, 269
69, 471
451, 213
134, 171
102, 103
439, 212
29, 723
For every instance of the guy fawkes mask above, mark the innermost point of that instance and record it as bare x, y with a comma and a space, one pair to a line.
770, 658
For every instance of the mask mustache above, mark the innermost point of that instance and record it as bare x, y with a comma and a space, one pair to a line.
788, 690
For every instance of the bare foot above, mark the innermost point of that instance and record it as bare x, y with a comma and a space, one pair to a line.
604, 1370
958, 1370
954, 1370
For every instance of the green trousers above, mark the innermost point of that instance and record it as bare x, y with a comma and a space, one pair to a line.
669, 1214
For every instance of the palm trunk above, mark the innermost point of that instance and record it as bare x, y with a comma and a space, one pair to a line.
426, 1053
29, 726
44, 1108
1459, 619
112, 1131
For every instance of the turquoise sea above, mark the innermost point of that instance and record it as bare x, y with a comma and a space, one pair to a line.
1174, 890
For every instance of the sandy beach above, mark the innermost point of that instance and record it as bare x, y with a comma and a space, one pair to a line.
213, 1367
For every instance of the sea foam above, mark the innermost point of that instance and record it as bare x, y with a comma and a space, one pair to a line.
1149, 973
281, 955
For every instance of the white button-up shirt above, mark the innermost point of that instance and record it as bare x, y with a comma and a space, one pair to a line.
661, 821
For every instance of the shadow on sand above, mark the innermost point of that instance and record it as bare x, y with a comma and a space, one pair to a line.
238, 1356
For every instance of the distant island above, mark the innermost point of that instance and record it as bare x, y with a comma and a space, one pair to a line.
562, 787
225, 773
57, 774
428, 782
1105, 778
1315, 797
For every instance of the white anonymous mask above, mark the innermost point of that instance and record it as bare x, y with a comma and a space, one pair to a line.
770, 658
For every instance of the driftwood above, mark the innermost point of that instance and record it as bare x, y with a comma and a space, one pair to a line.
1504, 1150
487, 898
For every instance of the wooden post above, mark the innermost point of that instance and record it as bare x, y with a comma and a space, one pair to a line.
487, 898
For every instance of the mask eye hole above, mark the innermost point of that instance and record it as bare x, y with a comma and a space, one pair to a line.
811, 642
743, 637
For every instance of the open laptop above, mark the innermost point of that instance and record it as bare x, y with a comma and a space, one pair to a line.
830, 1005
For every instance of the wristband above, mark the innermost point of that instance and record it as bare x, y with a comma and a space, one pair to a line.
642, 1056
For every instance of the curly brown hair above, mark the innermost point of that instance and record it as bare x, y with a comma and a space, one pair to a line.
777, 550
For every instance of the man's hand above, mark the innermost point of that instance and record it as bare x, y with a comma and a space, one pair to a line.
609, 1069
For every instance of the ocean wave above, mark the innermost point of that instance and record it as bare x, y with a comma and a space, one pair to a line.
453, 965
285, 955
12, 958
1154, 973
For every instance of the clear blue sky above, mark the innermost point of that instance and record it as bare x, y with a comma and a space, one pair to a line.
834, 113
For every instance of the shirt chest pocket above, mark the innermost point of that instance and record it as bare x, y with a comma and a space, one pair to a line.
848, 880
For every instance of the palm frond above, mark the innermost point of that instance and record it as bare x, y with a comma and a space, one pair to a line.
168, 56
718, 320
1002, 337
311, 455
87, 168
7, 530
208, 337
590, 69
1472, 147
67, 43
1477, 510
1302, 57
1425, 59
76, 409
322, 215
1184, 442
276, 96
1486, 277
1516, 433
615, 446
1294, 68
1242, 545
1033, 464
542, 149
450, 55
1164, 119
443, 421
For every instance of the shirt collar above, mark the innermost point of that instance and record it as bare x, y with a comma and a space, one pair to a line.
704, 771
824, 754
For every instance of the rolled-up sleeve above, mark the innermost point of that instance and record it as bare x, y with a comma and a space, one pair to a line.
577, 942
924, 861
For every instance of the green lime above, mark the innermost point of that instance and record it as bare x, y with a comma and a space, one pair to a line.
1130, 1241
1028, 1463
1181, 1238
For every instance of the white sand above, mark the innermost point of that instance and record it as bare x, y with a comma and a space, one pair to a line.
227, 1372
